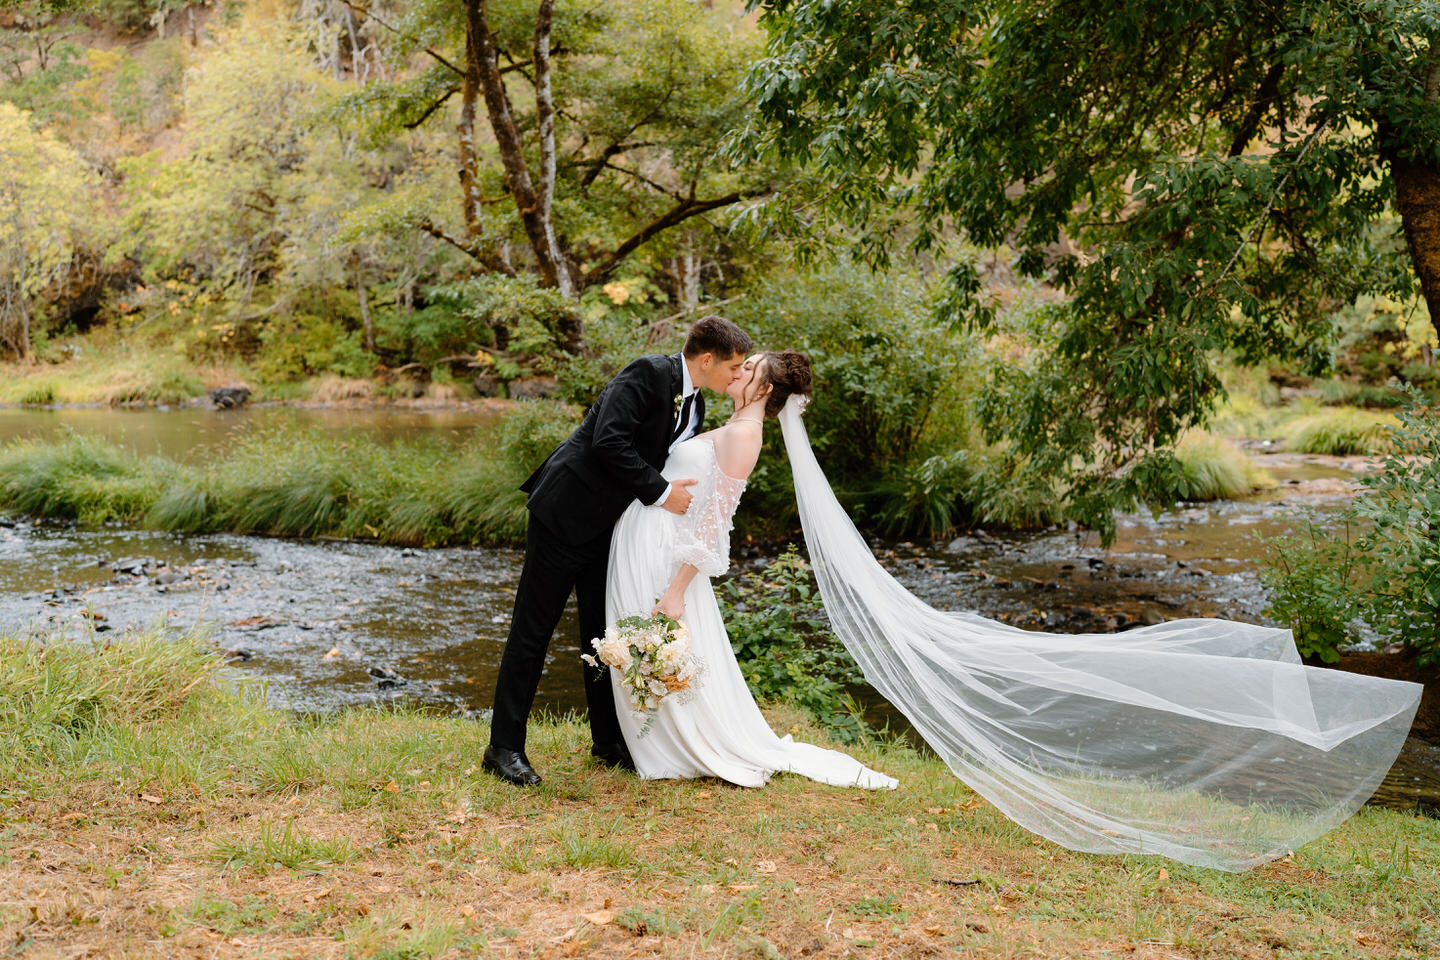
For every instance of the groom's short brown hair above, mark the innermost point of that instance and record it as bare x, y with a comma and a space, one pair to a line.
718, 336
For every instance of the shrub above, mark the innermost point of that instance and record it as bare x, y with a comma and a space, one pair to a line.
786, 651
1313, 581
892, 385
928, 498
1387, 576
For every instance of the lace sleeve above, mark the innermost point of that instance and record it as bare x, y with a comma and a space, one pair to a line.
703, 535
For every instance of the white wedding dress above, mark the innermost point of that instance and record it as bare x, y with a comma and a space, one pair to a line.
714, 729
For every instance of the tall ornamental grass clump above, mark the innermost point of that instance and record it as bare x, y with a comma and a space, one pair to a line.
1384, 572
1214, 468
298, 484
1340, 432
77, 478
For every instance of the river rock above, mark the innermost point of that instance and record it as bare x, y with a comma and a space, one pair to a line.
1151, 618
386, 679
225, 398
166, 577
487, 385
532, 388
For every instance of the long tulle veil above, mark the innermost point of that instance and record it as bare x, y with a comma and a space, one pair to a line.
1206, 741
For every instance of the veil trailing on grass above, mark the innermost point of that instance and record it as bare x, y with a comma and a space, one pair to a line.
1205, 741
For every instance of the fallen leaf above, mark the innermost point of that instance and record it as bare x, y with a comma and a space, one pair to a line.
765, 866
1164, 874
391, 787
467, 911
333, 653
742, 887
600, 917
151, 798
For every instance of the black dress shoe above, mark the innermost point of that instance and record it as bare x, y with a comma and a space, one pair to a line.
510, 766
613, 755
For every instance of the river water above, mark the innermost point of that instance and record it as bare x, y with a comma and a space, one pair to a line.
333, 624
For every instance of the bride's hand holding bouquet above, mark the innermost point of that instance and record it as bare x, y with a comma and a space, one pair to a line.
652, 656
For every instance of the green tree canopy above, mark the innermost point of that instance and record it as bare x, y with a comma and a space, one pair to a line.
1197, 176
45, 192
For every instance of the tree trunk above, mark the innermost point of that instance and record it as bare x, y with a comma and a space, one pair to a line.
469, 186
545, 124
483, 62
12, 307
1417, 196
365, 311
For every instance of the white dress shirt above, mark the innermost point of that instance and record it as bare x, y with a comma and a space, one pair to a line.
688, 431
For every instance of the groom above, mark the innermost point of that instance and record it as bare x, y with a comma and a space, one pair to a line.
576, 497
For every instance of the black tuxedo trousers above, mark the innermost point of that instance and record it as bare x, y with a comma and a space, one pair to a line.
552, 566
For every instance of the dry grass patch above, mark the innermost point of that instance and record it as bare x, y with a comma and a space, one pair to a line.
341, 389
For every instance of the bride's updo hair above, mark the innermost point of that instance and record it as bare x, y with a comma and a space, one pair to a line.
788, 373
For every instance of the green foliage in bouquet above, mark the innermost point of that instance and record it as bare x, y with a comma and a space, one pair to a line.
780, 635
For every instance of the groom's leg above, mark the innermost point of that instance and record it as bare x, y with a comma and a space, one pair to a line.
599, 693
545, 583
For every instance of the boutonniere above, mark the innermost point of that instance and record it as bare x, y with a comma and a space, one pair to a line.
679, 400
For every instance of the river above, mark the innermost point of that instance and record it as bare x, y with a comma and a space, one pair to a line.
332, 624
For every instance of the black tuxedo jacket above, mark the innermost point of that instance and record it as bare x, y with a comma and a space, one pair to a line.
614, 456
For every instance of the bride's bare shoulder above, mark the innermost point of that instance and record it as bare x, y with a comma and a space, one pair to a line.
737, 448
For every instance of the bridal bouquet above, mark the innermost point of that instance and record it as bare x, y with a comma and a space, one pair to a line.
653, 657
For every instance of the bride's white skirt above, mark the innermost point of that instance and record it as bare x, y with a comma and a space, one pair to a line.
715, 729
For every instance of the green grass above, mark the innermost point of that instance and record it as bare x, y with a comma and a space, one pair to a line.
149, 805
1214, 468
268, 847
1340, 432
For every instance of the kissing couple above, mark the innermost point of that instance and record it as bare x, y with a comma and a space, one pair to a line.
633, 513
1203, 740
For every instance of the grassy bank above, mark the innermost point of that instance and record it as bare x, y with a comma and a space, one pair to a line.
147, 811
295, 483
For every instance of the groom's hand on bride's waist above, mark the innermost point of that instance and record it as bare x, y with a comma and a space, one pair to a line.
678, 500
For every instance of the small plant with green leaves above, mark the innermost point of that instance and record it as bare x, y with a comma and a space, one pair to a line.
1312, 578
1385, 572
786, 651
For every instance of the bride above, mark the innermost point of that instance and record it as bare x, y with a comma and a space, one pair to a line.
1205, 741
715, 730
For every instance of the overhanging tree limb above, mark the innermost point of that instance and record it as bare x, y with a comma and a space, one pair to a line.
682, 211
